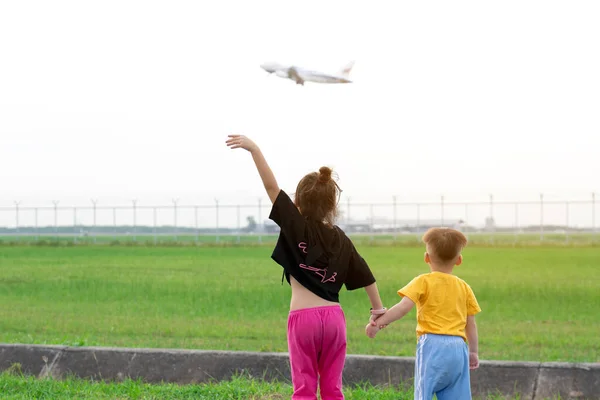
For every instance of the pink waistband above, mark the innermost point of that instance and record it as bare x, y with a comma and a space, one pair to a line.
310, 309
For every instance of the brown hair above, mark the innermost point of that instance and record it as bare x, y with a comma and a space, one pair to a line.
444, 244
317, 196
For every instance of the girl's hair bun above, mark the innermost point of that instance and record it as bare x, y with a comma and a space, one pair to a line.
324, 174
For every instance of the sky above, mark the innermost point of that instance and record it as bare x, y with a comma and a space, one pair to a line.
121, 100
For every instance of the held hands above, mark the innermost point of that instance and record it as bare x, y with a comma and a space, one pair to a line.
371, 330
241, 142
373, 327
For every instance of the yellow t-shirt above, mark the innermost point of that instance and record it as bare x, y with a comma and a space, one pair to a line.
443, 303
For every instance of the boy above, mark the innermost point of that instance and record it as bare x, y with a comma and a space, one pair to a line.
446, 308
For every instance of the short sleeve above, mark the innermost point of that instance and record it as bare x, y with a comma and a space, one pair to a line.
414, 290
359, 274
286, 215
472, 304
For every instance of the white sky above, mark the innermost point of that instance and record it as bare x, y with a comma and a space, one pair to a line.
133, 99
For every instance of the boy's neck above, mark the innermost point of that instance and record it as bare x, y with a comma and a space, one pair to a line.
441, 268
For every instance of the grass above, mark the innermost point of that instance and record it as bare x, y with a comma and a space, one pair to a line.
239, 388
539, 304
488, 239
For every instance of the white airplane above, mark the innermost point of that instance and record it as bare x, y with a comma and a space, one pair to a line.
301, 75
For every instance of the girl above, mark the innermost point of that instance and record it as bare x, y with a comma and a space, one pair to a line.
317, 260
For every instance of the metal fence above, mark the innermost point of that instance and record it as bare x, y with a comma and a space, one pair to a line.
542, 218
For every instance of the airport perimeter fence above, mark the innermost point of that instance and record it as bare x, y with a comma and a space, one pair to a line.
494, 222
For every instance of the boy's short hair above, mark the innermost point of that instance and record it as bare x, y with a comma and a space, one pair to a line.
445, 243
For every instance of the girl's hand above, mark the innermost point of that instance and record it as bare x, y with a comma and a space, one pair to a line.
371, 330
241, 142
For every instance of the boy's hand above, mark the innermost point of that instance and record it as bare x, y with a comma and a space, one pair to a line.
473, 361
241, 142
375, 318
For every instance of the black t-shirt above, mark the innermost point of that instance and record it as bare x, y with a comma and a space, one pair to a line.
320, 258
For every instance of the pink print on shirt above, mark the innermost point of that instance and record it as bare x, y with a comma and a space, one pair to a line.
302, 245
322, 272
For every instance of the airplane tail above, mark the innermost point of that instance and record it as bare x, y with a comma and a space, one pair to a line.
346, 70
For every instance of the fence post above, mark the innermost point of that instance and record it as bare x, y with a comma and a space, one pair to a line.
466, 220
196, 222
418, 219
115, 223
442, 209
516, 223
74, 224
593, 217
175, 218
134, 219
35, 213
17, 219
348, 212
492, 219
94, 202
372, 223
395, 220
567, 224
260, 221
55, 202
541, 217
154, 225
239, 226
217, 220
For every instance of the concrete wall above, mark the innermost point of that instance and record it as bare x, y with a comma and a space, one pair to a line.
530, 380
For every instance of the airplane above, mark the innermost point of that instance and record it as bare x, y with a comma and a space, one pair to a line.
301, 75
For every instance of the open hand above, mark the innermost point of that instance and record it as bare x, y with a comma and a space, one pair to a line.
241, 142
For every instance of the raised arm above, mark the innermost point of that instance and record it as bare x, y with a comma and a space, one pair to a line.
268, 179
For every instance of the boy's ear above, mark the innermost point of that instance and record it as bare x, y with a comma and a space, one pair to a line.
460, 260
427, 258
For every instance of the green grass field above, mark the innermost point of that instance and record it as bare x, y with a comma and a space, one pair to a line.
488, 239
539, 304
18, 387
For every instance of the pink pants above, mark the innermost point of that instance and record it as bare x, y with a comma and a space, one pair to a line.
317, 347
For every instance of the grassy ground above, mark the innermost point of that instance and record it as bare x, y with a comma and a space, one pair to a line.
488, 239
240, 388
539, 304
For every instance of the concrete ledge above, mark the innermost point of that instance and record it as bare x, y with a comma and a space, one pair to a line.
572, 381
508, 378
34, 360
534, 381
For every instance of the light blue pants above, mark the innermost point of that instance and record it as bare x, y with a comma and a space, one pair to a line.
442, 368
